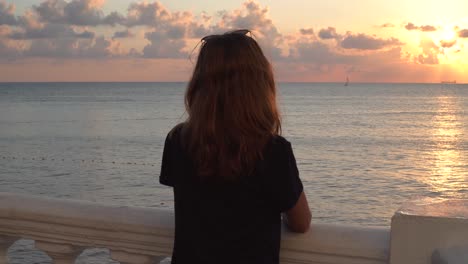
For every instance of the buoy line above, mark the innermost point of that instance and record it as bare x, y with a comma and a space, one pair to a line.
82, 161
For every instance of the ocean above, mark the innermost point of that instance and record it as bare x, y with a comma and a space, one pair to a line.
362, 150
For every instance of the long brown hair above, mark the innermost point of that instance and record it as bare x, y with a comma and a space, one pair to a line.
231, 105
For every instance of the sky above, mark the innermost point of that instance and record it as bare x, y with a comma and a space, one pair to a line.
306, 41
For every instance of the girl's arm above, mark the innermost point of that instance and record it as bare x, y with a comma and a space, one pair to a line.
298, 218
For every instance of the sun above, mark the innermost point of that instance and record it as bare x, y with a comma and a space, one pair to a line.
447, 34
446, 39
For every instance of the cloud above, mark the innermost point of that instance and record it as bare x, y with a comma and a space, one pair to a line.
317, 52
425, 28
387, 25
61, 26
59, 29
113, 19
200, 27
87, 12
51, 31
411, 26
7, 14
430, 52
148, 14
169, 30
52, 48
365, 42
447, 43
75, 12
307, 31
64, 29
8, 50
328, 33
51, 11
123, 34
4, 30
63, 32
51, 20
173, 25
315, 60
463, 33
157, 16
253, 16
29, 20
75, 48
198, 30
162, 47
103, 47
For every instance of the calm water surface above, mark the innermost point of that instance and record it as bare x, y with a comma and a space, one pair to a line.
362, 150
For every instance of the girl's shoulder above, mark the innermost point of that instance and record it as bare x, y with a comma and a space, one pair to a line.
278, 145
175, 137
279, 140
176, 131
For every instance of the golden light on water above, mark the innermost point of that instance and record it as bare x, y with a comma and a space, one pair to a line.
447, 174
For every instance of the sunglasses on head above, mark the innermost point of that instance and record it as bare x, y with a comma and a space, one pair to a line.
242, 32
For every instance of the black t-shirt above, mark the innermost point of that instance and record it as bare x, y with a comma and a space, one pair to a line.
218, 221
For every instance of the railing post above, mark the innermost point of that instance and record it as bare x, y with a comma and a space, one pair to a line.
5, 243
430, 230
60, 253
131, 258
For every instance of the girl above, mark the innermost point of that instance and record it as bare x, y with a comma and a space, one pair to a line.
232, 173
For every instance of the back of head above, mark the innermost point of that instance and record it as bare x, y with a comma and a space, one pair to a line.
231, 103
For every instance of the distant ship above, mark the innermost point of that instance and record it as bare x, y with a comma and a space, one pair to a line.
347, 82
448, 82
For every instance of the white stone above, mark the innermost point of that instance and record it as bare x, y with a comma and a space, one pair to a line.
60, 253
457, 255
5, 243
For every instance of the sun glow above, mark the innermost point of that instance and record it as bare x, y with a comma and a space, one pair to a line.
447, 39
450, 47
448, 34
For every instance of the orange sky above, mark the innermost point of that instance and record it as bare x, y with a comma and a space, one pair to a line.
369, 41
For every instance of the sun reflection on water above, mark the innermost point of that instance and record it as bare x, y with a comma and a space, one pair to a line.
448, 177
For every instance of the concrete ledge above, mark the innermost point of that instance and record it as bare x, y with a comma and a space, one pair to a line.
149, 232
338, 244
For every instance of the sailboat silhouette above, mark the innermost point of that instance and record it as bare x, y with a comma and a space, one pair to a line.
347, 81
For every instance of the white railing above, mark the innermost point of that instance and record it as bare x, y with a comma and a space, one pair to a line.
64, 228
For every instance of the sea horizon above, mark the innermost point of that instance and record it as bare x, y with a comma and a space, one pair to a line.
278, 82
